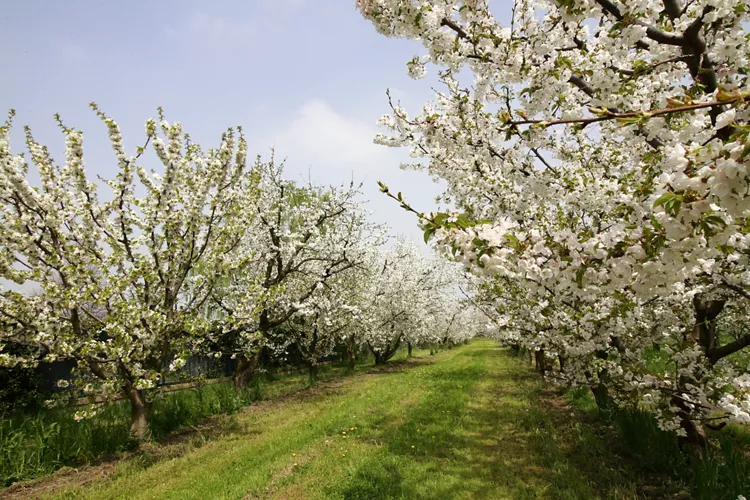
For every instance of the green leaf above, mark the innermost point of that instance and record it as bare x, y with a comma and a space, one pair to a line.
745, 150
463, 221
439, 218
428, 233
579, 277
513, 242
715, 220
666, 198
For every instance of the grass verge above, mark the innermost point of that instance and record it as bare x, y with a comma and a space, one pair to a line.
36, 445
472, 422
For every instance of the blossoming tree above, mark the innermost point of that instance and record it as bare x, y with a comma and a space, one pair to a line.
599, 157
121, 282
300, 239
405, 303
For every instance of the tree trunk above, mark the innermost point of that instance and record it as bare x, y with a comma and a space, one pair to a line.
541, 361
351, 355
601, 396
312, 368
244, 370
379, 358
408, 346
562, 360
695, 443
704, 333
600, 392
140, 409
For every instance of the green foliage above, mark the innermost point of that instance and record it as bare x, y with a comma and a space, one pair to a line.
723, 473
35, 445
20, 390
672, 202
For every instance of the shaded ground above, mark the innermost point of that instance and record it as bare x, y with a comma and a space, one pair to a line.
472, 422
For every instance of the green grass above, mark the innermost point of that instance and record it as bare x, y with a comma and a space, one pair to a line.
36, 445
471, 422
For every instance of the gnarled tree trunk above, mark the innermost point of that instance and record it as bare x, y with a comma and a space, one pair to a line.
380, 359
140, 409
600, 392
244, 369
382, 356
704, 334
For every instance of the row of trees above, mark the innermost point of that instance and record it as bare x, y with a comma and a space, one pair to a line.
599, 152
208, 256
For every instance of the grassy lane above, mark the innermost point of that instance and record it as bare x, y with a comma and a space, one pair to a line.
472, 422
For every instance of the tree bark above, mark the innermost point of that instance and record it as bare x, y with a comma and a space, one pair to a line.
705, 334
541, 361
379, 358
140, 409
351, 355
408, 346
601, 393
244, 370
601, 396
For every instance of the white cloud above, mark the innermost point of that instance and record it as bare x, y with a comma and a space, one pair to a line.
332, 148
326, 140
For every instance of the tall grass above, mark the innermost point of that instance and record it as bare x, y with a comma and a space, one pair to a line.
34, 445
722, 473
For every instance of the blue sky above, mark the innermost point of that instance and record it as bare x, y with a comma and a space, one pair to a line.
305, 76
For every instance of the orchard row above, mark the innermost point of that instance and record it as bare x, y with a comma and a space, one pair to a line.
210, 257
599, 154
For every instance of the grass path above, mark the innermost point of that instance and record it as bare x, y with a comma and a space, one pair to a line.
472, 422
